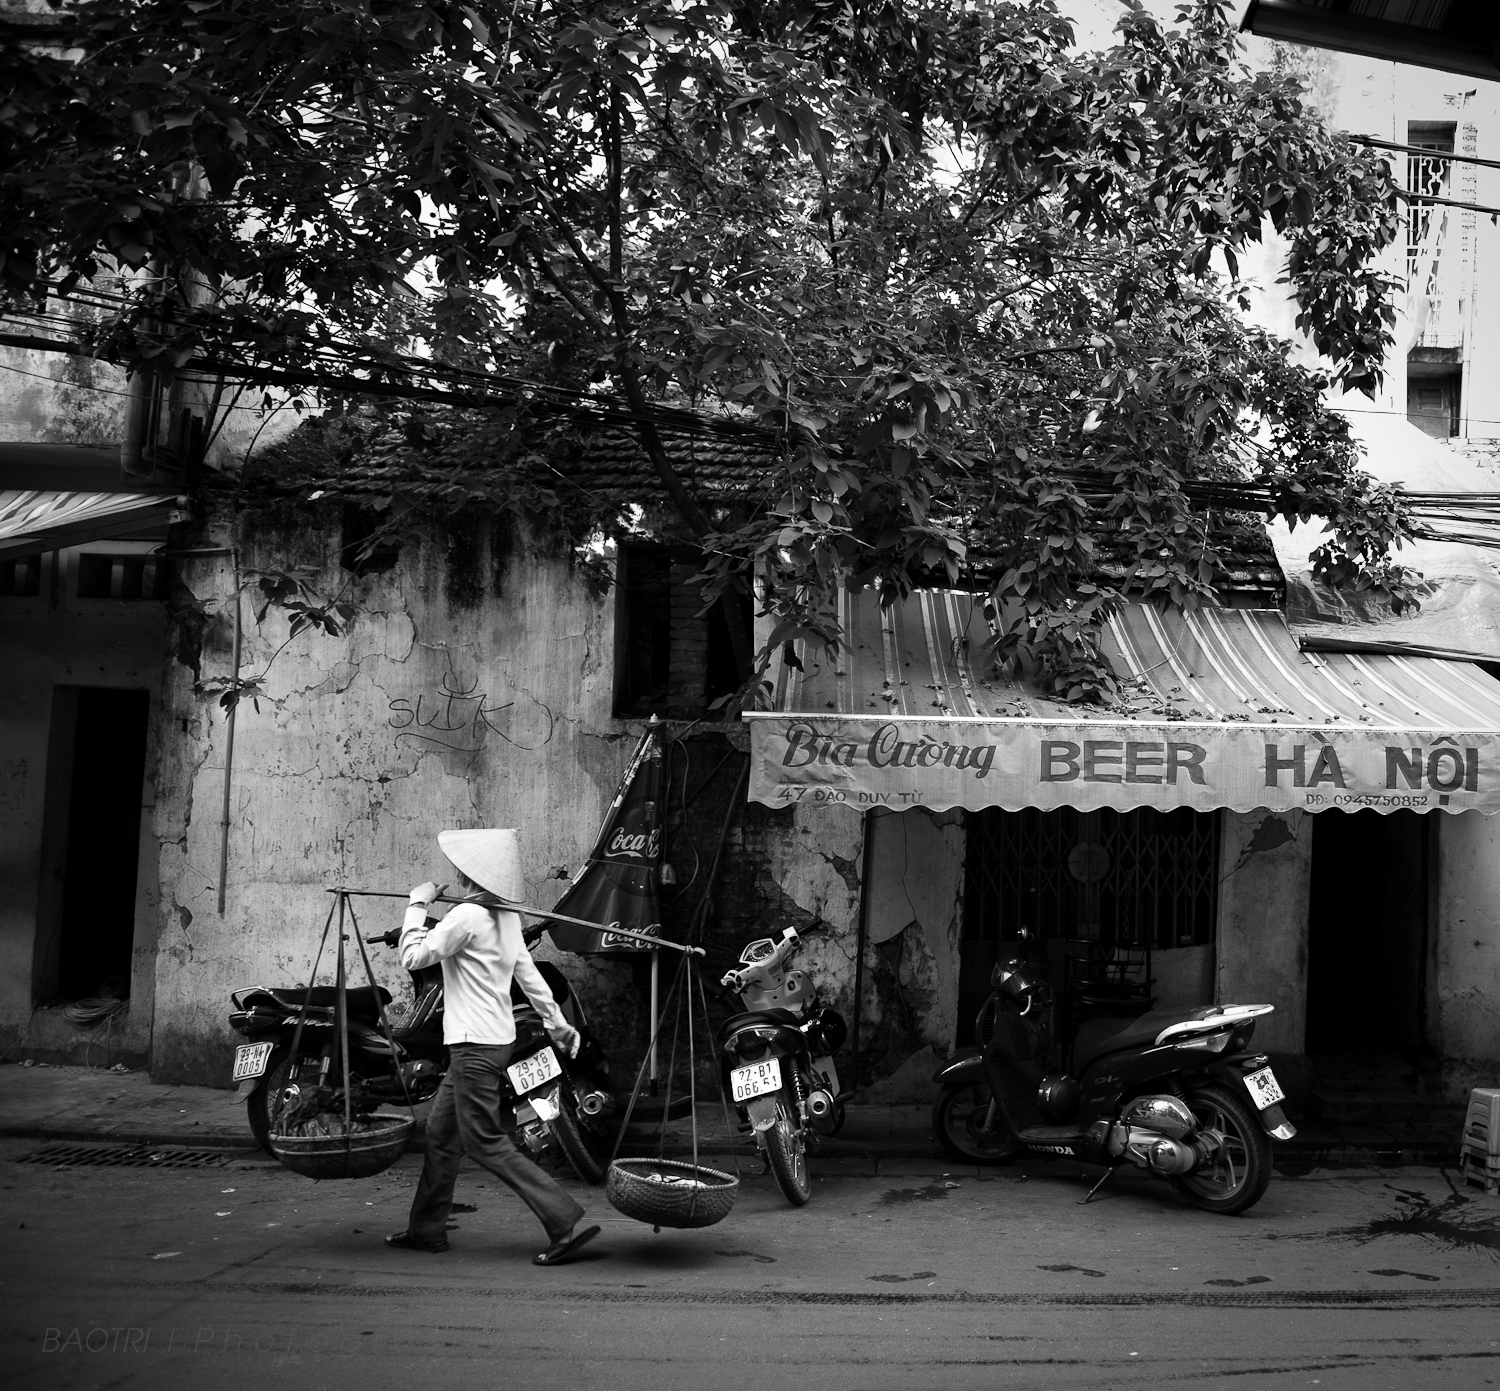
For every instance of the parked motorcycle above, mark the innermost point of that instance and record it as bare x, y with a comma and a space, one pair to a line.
777, 1056
559, 1102
1173, 1091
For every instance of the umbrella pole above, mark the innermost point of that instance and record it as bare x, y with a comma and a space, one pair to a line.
655, 989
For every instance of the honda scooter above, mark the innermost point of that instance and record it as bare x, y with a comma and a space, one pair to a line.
559, 1103
1175, 1092
777, 1057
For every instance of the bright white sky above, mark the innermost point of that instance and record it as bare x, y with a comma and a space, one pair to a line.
1094, 20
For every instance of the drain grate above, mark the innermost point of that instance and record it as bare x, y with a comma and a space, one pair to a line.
126, 1156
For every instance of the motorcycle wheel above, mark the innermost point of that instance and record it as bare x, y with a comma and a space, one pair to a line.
1235, 1176
570, 1135
956, 1120
261, 1108
786, 1148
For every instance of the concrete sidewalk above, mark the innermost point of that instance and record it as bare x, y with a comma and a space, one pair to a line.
59, 1102
49, 1102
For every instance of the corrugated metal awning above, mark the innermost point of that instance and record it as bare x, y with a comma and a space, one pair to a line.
1219, 709
32, 522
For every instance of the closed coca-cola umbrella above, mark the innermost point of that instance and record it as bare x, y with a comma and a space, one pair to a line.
617, 886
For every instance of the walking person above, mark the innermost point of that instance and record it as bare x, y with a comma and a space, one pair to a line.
481, 948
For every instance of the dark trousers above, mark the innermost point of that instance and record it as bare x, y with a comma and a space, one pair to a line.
465, 1119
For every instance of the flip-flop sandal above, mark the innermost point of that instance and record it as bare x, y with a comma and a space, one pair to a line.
566, 1249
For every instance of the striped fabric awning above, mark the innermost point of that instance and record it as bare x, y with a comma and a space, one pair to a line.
1218, 708
32, 522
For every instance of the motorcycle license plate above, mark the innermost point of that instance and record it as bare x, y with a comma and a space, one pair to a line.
1265, 1090
755, 1080
530, 1073
250, 1061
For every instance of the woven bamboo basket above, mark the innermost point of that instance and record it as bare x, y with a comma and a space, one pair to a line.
670, 1193
366, 1150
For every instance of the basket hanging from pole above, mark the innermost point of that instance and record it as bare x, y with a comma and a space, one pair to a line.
672, 1192
361, 1151
330, 1145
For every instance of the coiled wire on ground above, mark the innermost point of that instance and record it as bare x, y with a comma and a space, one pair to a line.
98, 1012
86, 1014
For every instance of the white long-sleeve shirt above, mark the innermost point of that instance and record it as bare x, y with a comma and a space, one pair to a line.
481, 949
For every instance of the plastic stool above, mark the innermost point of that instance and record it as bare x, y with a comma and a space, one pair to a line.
1480, 1157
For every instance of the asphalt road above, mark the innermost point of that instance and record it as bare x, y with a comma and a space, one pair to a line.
913, 1276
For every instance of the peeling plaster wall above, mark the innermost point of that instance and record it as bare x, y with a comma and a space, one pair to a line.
812, 862
364, 746
1464, 993
54, 640
1265, 860
915, 917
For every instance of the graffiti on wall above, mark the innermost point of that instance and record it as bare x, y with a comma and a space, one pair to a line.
462, 717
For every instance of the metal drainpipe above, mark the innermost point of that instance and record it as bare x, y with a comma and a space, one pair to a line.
234, 664
233, 553
861, 935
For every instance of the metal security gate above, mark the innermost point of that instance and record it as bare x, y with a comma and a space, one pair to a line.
1142, 878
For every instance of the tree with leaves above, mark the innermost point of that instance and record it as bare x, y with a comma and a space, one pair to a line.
977, 287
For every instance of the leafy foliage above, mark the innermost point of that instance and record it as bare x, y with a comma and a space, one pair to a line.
306, 611
978, 285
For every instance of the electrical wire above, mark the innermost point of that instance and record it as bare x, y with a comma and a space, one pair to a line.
682, 807
96, 1009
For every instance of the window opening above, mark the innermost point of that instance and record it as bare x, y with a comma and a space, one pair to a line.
125, 577
1429, 232
672, 659
21, 579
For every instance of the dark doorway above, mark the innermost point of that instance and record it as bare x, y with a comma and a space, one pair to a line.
1141, 880
96, 773
1367, 932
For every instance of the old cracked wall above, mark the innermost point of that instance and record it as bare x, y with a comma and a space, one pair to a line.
422, 716
1464, 989
1265, 865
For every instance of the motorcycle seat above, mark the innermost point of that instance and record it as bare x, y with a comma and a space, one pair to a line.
361, 998
736, 1022
1099, 1036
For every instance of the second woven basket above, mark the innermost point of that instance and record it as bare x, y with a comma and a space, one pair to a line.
670, 1193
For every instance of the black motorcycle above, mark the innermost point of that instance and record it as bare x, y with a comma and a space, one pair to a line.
777, 1060
1173, 1091
559, 1103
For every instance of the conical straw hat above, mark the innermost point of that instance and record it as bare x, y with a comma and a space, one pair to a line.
492, 859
